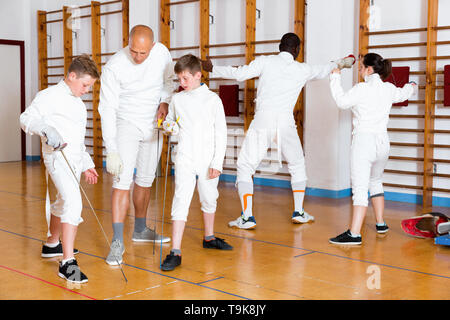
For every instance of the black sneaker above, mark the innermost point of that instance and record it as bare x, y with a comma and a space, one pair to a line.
71, 272
346, 238
57, 251
382, 229
170, 262
217, 243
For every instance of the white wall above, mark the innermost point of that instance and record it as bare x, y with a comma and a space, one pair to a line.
329, 35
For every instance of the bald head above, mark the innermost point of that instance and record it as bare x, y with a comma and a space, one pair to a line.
141, 42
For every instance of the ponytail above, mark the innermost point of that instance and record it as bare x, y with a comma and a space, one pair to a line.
381, 66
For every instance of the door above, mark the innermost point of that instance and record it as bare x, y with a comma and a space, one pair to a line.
11, 100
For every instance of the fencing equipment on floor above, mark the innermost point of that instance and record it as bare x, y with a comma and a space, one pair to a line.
129, 98
202, 141
57, 108
370, 102
281, 79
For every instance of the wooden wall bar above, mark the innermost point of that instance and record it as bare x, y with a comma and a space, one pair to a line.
249, 91
430, 92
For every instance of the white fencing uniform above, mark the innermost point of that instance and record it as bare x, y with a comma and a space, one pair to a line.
370, 102
281, 79
129, 98
58, 108
202, 144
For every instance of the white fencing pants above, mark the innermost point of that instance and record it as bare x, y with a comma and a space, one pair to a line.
258, 141
137, 150
185, 180
369, 156
68, 204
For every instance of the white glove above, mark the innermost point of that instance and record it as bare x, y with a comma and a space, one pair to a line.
114, 164
171, 127
346, 62
54, 139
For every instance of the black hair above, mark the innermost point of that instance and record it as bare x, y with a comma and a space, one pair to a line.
381, 66
289, 42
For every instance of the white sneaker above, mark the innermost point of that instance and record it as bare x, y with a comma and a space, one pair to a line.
243, 223
302, 217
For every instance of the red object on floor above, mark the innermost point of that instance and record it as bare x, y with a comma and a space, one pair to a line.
447, 85
399, 77
424, 226
230, 99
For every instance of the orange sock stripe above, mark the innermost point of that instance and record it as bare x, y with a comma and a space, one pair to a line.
298, 190
245, 199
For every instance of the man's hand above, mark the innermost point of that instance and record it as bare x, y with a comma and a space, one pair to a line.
163, 110
207, 65
213, 173
90, 176
114, 163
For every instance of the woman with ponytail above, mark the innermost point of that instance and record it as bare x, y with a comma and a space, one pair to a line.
370, 102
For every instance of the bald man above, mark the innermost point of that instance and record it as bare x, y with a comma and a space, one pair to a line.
136, 88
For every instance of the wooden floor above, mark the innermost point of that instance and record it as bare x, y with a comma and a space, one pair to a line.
277, 260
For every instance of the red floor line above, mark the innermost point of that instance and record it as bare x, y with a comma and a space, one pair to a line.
50, 283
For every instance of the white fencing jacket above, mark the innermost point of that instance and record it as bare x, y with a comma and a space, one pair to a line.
202, 138
133, 92
281, 78
370, 101
57, 107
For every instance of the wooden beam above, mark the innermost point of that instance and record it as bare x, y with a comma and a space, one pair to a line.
204, 35
430, 92
364, 16
299, 29
249, 93
67, 38
125, 22
42, 49
97, 58
164, 36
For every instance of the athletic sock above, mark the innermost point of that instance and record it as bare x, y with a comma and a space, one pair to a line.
245, 190
118, 231
353, 235
381, 224
298, 190
51, 245
63, 262
139, 225
176, 252
209, 238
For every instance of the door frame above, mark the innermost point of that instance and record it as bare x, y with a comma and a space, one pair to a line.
21, 45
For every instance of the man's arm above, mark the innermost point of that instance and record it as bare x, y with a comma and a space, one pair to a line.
108, 106
242, 73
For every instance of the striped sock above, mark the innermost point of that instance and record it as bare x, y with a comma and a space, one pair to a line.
245, 190
298, 189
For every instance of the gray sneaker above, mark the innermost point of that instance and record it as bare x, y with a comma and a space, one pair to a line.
114, 257
149, 235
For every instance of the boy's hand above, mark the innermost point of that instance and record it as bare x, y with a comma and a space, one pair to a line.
90, 176
163, 110
213, 173
207, 65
